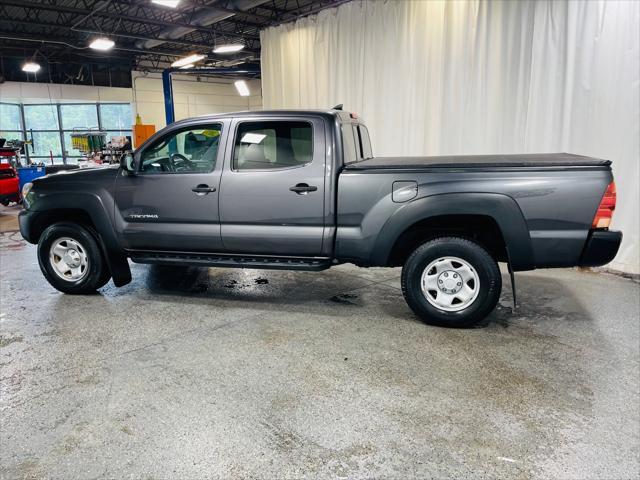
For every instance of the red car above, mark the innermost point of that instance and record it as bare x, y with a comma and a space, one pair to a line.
9, 185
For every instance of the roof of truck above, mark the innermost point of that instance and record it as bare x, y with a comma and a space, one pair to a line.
343, 115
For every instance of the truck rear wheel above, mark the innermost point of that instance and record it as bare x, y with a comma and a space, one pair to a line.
451, 282
71, 260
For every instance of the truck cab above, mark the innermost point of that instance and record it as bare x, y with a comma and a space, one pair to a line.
250, 184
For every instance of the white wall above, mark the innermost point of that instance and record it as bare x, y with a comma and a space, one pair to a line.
23, 92
443, 77
191, 97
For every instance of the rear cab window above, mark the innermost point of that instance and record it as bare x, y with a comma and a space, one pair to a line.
356, 144
365, 142
349, 151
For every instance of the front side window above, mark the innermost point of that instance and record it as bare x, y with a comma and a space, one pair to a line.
192, 150
272, 145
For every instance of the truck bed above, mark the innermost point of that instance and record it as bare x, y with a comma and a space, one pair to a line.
531, 160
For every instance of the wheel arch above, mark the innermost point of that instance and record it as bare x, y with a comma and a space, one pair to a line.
87, 210
493, 220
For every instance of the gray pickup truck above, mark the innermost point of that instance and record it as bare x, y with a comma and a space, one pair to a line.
301, 190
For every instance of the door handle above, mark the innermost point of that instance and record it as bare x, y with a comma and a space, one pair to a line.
303, 188
203, 189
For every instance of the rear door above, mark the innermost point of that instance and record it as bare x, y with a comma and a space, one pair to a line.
273, 187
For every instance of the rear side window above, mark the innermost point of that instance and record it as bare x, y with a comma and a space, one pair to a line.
349, 150
272, 145
363, 144
366, 142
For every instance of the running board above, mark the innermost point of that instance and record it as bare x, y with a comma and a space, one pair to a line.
231, 261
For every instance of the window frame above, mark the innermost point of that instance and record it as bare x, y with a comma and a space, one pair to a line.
239, 122
176, 131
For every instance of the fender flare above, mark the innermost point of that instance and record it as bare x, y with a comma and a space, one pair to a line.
501, 208
94, 206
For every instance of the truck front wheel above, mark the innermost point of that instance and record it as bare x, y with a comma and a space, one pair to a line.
71, 260
451, 282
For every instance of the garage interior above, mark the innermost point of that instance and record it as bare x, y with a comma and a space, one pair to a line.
243, 373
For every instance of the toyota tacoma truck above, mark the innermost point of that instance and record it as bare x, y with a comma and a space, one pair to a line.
301, 190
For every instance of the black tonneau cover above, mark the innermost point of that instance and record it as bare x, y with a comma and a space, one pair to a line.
480, 161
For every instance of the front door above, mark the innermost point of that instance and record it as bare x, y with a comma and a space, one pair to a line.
272, 191
171, 203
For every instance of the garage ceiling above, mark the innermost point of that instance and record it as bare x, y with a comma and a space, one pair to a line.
148, 36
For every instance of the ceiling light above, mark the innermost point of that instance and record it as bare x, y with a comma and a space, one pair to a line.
228, 48
31, 67
242, 88
191, 65
166, 3
181, 62
102, 43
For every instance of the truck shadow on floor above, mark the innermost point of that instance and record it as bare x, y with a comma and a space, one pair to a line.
540, 299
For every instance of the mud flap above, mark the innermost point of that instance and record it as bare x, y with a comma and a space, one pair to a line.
513, 286
120, 271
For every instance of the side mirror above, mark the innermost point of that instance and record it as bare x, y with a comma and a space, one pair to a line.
127, 162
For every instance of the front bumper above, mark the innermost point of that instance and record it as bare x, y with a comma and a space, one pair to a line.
601, 247
25, 221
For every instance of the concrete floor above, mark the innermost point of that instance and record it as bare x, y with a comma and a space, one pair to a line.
261, 374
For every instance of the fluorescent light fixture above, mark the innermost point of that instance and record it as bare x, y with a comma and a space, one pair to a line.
191, 65
166, 3
228, 48
242, 88
181, 62
31, 67
252, 138
102, 43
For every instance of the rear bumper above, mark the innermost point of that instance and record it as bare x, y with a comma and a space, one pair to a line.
9, 190
601, 247
9, 197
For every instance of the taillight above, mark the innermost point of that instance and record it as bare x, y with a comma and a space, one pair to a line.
606, 208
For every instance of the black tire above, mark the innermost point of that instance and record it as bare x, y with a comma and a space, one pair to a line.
97, 273
486, 268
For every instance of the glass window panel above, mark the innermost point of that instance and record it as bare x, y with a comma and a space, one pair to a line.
10, 116
10, 135
119, 133
79, 116
41, 117
273, 144
348, 144
366, 142
68, 146
184, 151
43, 142
46, 160
115, 116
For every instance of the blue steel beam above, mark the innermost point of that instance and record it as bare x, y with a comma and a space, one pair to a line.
167, 85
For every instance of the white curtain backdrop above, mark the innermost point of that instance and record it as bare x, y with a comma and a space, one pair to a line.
471, 77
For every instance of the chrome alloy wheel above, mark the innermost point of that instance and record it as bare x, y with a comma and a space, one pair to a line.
69, 259
450, 284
